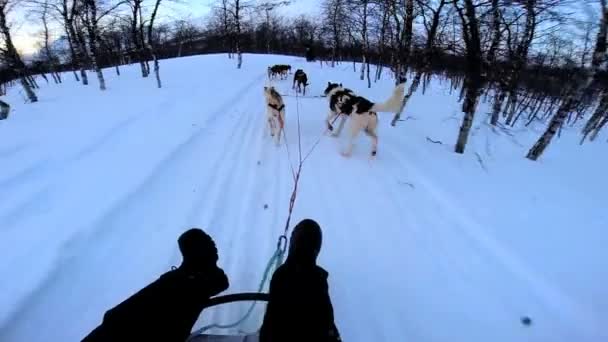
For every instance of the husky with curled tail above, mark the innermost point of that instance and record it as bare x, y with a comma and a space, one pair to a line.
275, 112
362, 113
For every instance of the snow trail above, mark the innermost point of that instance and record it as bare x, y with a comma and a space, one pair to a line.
416, 242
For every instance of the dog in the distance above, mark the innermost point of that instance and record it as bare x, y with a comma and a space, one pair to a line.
362, 113
300, 81
280, 70
275, 113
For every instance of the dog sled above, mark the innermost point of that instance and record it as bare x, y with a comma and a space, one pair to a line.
201, 336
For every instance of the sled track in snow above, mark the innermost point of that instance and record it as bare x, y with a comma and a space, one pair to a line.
74, 257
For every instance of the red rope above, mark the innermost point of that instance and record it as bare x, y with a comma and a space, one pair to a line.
296, 174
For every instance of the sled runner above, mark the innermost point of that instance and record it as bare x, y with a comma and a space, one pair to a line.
200, 336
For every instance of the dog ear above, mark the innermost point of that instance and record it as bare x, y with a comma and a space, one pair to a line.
328, 83
340, 84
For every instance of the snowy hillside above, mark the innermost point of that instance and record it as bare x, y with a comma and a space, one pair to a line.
421, 244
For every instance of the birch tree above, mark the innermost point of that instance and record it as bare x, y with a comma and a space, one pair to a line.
334, 16
68, 11
427, 56
136, 35
92, 16
580, 93
47, 53
9, 53
467, 11
150, 43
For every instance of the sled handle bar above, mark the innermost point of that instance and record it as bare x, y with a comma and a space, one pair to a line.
237, 297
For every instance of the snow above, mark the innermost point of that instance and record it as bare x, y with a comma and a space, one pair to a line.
421, 244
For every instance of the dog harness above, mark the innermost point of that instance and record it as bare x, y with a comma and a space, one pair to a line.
275, 107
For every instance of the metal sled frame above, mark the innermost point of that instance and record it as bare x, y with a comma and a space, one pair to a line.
231, 298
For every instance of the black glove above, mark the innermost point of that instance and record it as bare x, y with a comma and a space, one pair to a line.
216, 281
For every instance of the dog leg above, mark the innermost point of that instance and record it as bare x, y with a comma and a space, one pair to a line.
371, 132
329, 120
355, 127
271, 126
340, 126
279, 132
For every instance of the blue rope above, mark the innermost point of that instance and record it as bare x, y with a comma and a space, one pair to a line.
275, 261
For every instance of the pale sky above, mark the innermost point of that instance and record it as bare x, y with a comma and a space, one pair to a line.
24, 27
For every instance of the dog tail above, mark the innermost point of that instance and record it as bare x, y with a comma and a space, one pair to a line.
393, 104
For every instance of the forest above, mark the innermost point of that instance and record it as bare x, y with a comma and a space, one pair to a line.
531, 60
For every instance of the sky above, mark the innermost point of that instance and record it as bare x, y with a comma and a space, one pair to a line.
25, 29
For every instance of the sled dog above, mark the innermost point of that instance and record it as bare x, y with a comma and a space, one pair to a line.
275, 112
362, 113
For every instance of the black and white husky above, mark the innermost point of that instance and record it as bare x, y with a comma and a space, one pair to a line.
363, 113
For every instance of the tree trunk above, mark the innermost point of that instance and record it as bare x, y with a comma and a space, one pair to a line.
427, 56
512, 108
33, 82
80, 53
406, 97
151, 47
577, 96
28, 90
496, 33
4, 110
594, 123
362, 75
239, 54
468, 108
73, 54
369, 81
556, 122
92, 31
599, 127
472, 82
83, 76
497, 106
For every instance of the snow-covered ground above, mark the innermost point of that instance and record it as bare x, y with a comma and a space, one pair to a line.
421, 244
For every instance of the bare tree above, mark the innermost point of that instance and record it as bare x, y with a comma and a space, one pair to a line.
431, 29
238, 13
67, 12
9, 53
268, 7
580, 93
403, 20
472, 85
48, 55
334, 16
151, 46
111, 40
136, 34
91, 20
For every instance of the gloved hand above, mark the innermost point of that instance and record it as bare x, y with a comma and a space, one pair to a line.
216, 281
